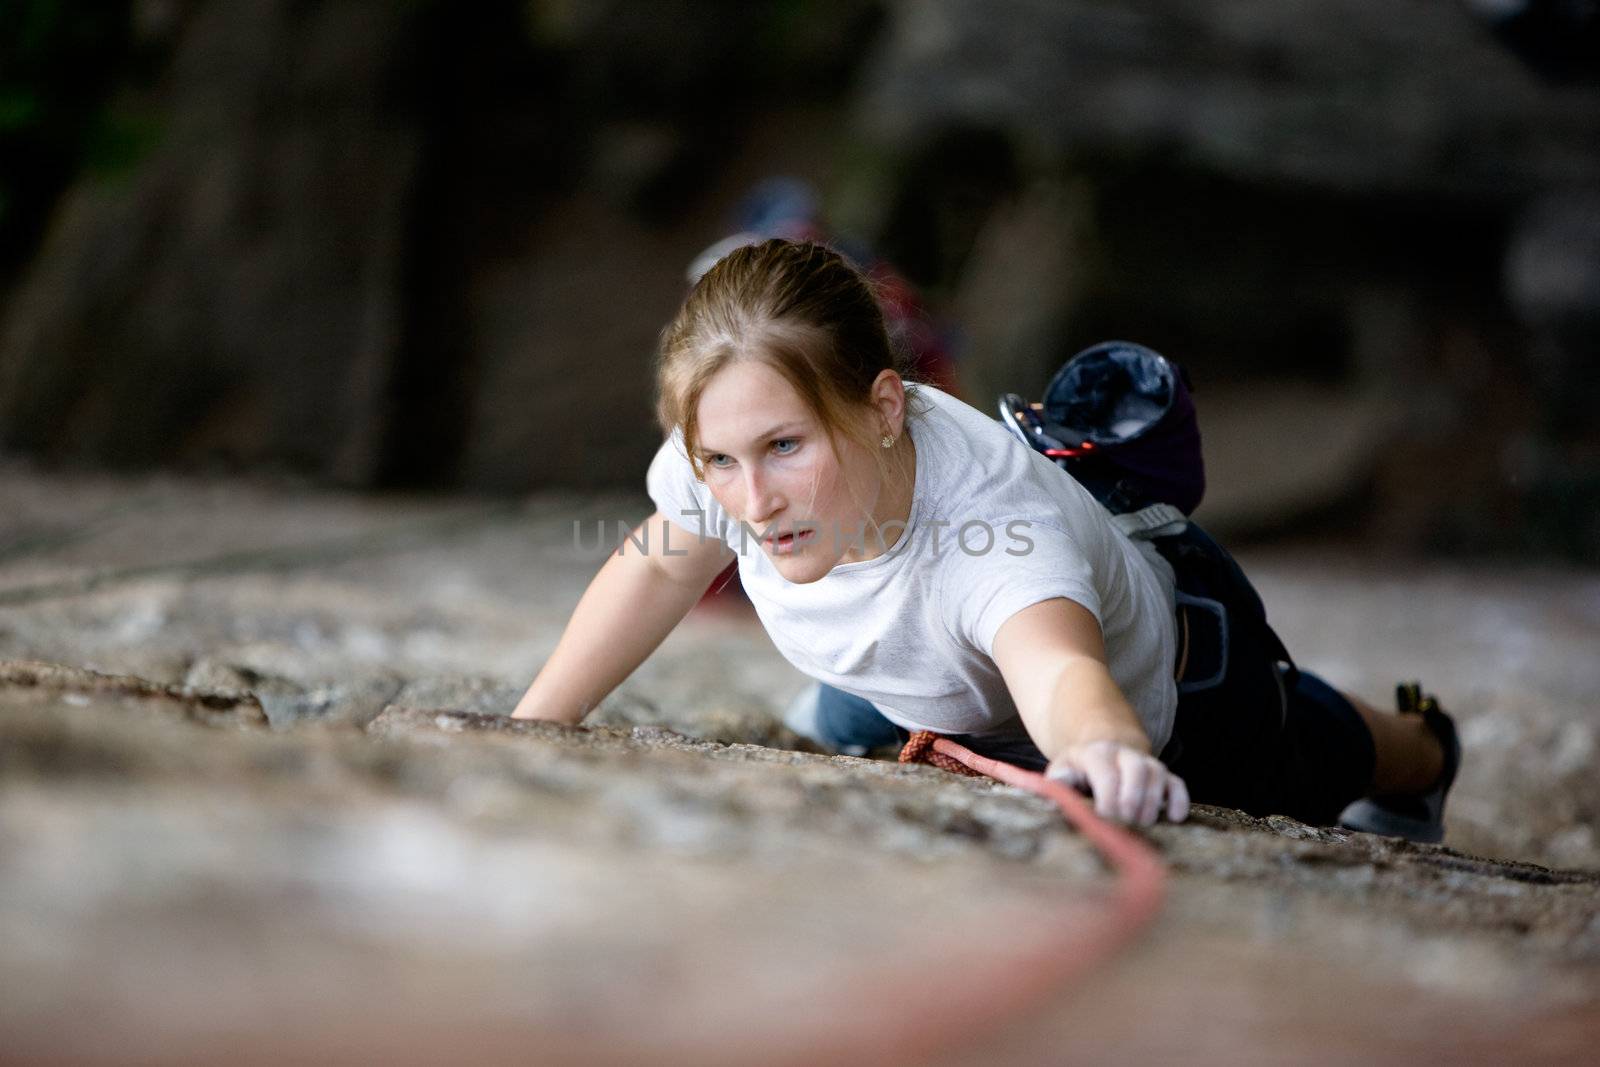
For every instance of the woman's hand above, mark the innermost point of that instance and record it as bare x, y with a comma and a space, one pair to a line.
1053, 659
1128, 785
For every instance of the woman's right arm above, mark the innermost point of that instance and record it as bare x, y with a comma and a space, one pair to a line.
629, 609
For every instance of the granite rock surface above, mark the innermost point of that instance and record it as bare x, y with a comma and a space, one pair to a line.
257, 791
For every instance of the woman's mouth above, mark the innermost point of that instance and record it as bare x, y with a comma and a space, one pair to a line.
783, 544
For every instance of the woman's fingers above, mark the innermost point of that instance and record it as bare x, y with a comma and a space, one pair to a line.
1177, 798
1155, 792
1127, 785
1099, 762
1136, 780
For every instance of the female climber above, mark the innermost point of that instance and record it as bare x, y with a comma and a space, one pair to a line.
932, 573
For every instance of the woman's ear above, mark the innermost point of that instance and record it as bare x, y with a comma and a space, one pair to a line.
888, 396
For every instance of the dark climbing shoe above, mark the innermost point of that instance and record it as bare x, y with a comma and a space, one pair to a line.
1419, 816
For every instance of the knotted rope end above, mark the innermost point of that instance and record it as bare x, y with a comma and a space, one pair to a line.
919, 749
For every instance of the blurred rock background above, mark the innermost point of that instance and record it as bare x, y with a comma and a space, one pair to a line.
430, 245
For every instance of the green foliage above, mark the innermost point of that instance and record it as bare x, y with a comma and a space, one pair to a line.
117, 140
60, 61
19, 110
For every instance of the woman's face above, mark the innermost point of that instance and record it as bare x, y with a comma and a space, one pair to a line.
769, 463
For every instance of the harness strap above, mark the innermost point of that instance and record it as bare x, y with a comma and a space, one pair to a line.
1149, 523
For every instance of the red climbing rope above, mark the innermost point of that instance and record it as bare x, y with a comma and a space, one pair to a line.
1143, 883
902, 1010
1059, 957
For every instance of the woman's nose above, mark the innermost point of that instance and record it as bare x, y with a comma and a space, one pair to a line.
761, 501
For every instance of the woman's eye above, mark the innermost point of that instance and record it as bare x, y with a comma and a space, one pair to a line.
785, 445
717, 459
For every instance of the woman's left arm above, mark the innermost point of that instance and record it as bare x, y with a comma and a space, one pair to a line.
1052, 656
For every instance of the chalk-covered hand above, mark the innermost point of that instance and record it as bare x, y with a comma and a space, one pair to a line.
1127, 785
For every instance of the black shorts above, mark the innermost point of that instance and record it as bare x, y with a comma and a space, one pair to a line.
1253, 731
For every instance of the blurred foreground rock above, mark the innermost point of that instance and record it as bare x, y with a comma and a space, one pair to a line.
258, 801
458, 883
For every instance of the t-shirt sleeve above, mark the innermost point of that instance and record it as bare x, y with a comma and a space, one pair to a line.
679, 495
1028, 562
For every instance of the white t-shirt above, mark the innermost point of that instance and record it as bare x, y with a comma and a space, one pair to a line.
994, 528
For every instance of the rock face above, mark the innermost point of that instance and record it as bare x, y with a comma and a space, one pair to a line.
50, 684
460, 879
284, 793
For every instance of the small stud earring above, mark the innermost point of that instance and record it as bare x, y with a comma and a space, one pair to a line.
888, 442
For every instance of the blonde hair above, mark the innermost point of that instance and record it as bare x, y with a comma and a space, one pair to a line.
801, 309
